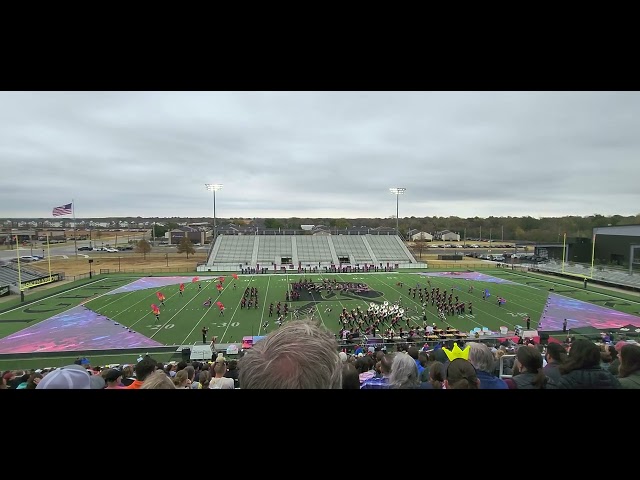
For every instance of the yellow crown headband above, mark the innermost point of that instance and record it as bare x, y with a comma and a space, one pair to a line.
455, 352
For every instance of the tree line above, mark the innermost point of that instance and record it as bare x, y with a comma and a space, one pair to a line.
545, 229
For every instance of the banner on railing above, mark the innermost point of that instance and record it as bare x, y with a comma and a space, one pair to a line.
39, 281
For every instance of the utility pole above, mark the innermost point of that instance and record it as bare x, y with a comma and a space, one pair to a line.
213, 188
397, 191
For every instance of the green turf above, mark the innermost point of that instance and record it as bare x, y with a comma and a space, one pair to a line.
182, 318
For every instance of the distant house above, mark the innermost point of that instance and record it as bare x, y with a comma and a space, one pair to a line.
229, 229
198, 225
195, 235
448, 236
382, 231
420, 236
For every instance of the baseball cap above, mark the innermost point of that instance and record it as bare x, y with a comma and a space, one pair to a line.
111, 375
71, 377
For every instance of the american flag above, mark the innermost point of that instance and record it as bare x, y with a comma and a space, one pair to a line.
63, 210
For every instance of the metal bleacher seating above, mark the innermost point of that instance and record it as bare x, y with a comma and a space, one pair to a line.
353, 247
273, 246
9, 274
313, 249
235, 249
580, 270
308, 249
387, 248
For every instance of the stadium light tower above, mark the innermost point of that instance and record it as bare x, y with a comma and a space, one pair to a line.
397, 191
213, 187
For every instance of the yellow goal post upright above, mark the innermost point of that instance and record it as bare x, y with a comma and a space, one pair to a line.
19, 268
564, 249
20, 287
593, 253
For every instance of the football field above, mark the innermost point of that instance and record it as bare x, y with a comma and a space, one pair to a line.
113, 314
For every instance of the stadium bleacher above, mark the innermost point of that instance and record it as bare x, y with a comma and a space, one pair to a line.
308, 249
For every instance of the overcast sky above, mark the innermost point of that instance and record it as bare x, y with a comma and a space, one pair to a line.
320, 154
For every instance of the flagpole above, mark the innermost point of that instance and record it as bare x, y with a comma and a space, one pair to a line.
593, 253
75, 236
564, 249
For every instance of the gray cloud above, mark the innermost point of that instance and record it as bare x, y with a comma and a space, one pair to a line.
320, 154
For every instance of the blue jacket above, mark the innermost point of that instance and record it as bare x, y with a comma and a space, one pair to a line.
490, 381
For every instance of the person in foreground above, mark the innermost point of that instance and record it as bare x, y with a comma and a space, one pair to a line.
382, 381
300, 354
556, 355
437, 373
143, 369
629, 372
404, 372
482, 359
158, 380
71, 377
528, 371
460, 374
582, 368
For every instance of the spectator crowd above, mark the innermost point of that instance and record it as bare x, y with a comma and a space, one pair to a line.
302, 354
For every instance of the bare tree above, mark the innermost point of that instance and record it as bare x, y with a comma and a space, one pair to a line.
185, 246
143, 247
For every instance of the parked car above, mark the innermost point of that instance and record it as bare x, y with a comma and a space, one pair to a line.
84, 248
110, 250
